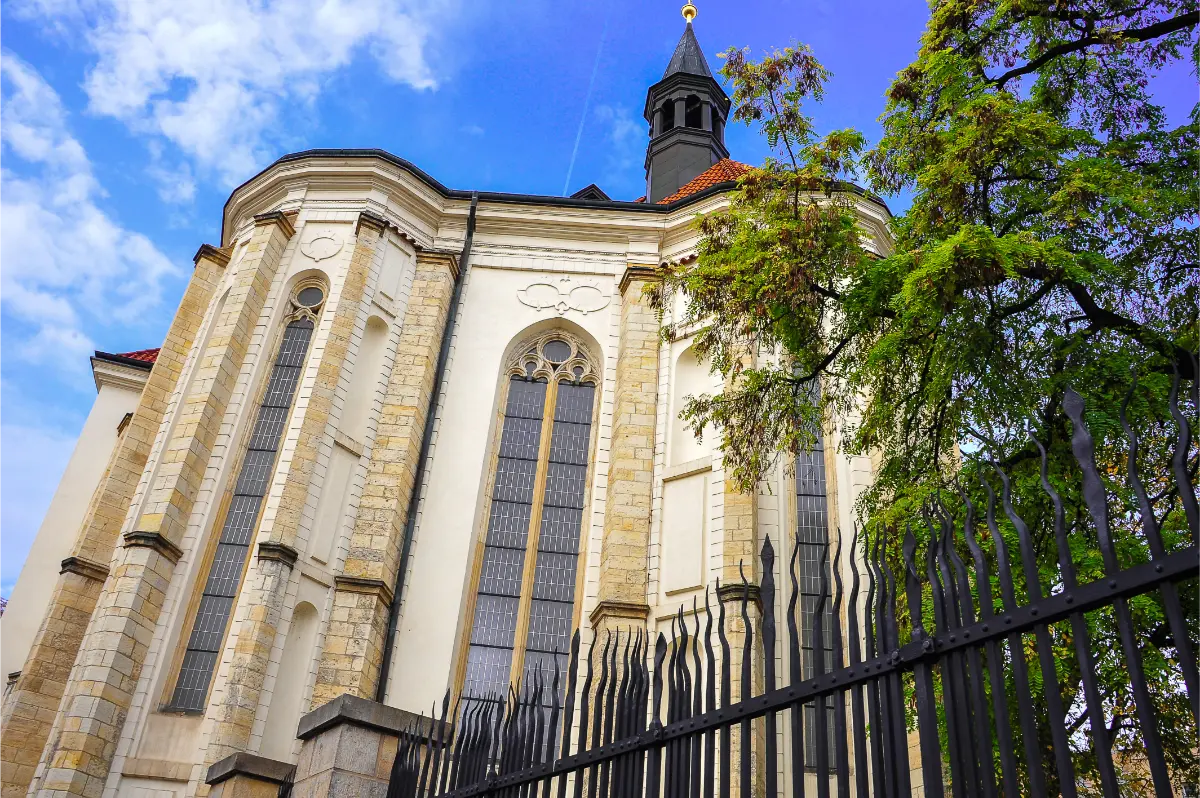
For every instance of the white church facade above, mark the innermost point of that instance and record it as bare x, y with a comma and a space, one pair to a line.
399, 439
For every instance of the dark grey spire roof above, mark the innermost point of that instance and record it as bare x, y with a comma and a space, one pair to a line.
688, 57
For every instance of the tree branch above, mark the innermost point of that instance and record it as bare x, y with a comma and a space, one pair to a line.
1162, 28
1100, 317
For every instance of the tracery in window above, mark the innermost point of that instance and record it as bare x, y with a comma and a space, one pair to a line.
524, 607
241, 518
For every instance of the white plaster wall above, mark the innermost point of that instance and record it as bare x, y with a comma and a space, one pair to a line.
449, 522
59, 528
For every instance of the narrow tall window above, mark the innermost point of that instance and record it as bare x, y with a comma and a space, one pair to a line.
524, 606
812, 535
241, 518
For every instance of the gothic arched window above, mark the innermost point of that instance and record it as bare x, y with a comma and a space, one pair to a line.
523, 608
228, 562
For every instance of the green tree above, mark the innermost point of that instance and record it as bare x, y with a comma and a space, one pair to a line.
1051, 243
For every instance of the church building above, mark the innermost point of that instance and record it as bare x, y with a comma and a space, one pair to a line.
400, 439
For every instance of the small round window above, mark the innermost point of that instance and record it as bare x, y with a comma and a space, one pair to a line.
310, 297
556, 351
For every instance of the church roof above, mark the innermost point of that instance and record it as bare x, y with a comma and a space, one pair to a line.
688, 57
723, 171
144, 355
141, 358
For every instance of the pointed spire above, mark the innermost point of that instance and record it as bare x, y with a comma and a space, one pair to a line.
688, 57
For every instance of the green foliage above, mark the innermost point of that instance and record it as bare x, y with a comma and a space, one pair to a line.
1051, 243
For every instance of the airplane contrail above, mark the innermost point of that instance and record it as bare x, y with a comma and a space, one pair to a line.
586, 101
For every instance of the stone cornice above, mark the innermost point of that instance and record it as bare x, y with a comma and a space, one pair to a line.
153, 540
351, 709
357, 584
280, 552
435, 256
733, 592
629, 610
377, 223
256, 767
639, 273
85, 568
106, 371
209, 252
277, 217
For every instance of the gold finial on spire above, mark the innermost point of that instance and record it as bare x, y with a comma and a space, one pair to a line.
689, 11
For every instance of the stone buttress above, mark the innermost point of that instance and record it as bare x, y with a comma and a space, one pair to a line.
29, 710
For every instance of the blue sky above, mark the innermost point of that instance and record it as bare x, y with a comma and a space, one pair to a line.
125, 123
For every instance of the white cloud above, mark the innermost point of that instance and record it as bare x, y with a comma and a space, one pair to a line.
626, 135
213, 77
67, 265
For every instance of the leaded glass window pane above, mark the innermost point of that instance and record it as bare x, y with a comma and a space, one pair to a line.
812, 534
233, 547
489, 659
507, 546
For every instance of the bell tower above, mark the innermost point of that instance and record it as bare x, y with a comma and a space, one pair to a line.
687, 111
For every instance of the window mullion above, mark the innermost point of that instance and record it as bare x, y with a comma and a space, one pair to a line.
521, 637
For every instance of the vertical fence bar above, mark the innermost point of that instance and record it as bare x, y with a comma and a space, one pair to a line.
841, 756
820, 715
856, 692
1079, 632
710, 702
766, 592
744, 772
1057, 716
954, 669
1016, 652
927, 720
697, 704
875, 723
1097, 504
899, 725
995, 659
796, 711
1170, 595
654, 759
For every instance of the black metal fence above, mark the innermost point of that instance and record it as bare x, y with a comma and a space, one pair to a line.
922, 685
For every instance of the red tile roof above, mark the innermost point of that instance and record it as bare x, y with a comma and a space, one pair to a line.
722, 171
144, 355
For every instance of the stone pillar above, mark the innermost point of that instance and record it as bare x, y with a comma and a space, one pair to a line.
657, 128
245, 775
349, 746
706, 115
30, 708
354, 640
739, 554
264, 589
624, 553
680, 111
80, 749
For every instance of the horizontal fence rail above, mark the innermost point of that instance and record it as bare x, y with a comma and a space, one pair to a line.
933, 673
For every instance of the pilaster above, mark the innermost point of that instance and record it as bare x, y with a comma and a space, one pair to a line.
266, 584
82, 743
30, 708
354, 640
625, 549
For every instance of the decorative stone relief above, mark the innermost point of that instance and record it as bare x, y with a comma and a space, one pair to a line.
564, 294
322, 246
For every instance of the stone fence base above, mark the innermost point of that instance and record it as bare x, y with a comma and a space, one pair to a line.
349, 745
